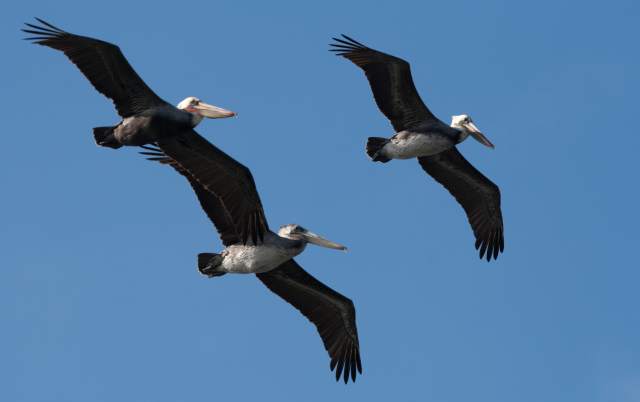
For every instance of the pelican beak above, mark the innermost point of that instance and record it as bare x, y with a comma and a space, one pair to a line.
210, 111
477, 134
320, 241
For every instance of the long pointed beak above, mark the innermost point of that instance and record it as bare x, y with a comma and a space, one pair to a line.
320, 241
477, 135
212, 112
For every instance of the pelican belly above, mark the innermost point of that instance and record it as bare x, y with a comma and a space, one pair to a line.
248, 259
408, 144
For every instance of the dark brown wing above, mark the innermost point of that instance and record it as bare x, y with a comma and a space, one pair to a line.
479, 197
103, 64
333, 314
209, 202
223, 176
391, 83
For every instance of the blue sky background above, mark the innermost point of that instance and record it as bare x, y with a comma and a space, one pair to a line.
100, 299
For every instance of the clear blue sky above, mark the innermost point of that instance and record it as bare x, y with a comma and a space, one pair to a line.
100, 299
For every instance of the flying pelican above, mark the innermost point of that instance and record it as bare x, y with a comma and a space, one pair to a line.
228, 195
419, 134
145, 116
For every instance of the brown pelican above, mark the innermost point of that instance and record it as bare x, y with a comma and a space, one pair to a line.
145, 116
228, 195
419, 134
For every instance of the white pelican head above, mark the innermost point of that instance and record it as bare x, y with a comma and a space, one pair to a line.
200, 110
297, 232
464, 123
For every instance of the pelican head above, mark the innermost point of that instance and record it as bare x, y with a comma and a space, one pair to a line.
200, 110
464, 123
297, 232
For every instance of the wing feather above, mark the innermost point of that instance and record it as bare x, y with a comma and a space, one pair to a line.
333, 314
103, 64
210, 203
390, 80
478, 195
223, 176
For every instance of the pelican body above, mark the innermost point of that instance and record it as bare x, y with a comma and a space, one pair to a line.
146, 118
429, 139
158, 123
274, 250
420, 134
426, 139
252, 259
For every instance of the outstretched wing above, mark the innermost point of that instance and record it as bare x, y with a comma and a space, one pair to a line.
103, 64
333, 314
220, 174
209, 202
479, 197
391, 83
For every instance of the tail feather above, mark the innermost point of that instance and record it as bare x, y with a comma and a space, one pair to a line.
374, 149
208, 262
104, 137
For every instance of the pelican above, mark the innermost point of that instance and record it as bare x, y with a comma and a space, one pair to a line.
145, 116
227, 194
419, 134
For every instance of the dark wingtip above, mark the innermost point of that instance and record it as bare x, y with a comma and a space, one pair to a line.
346, 365
346, 45
483, 248
354, 353
353, 40
55, 28
340, 367
43, 32
492, 247
335, 47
